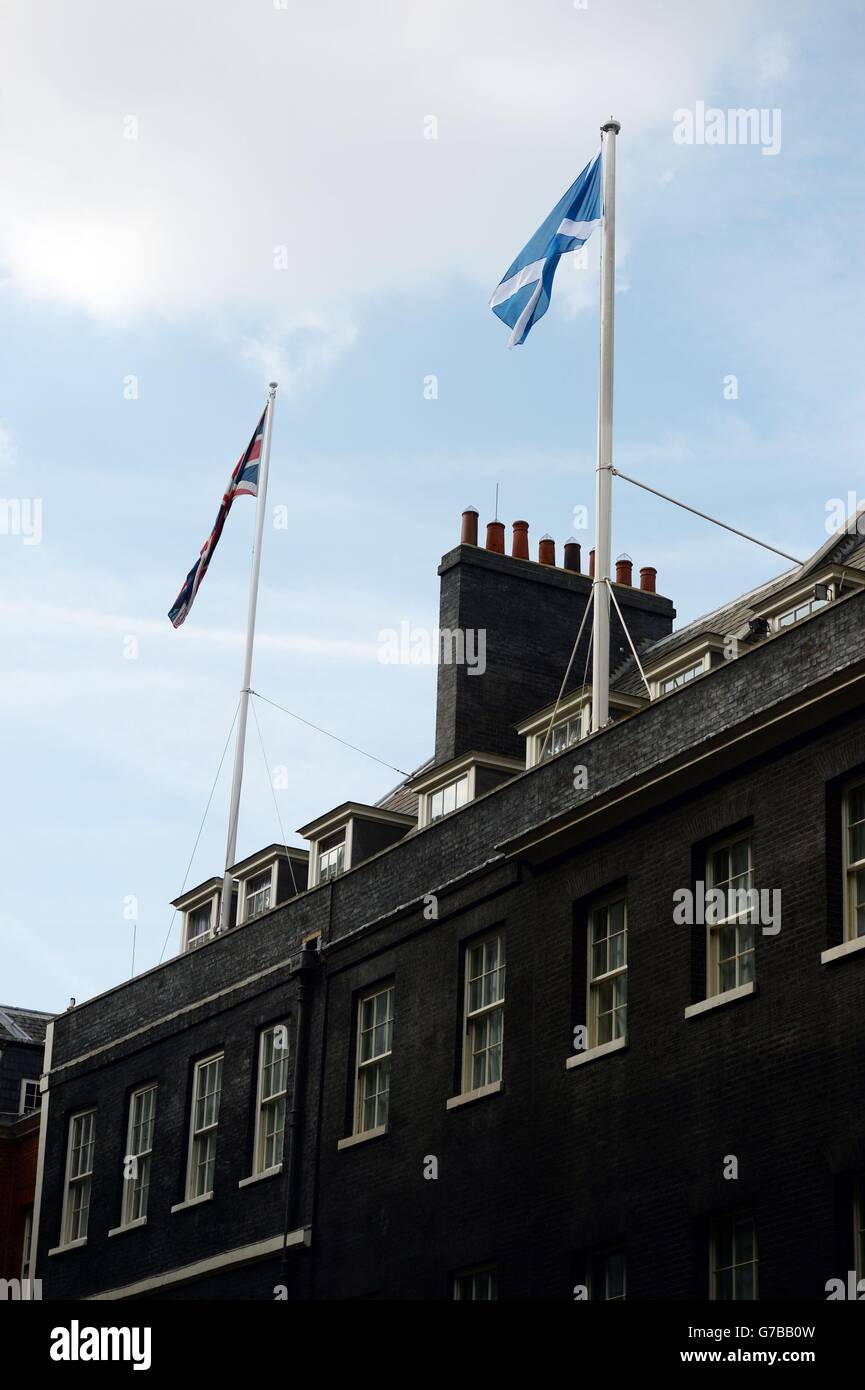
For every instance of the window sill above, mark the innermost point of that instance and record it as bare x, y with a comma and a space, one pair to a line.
728, 997
129, 1226
193, 1202
591, 1054
73, 1245
847, 948
259, 1177
353, 1139
492, 1089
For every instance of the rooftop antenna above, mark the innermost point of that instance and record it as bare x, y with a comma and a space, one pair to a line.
496, 517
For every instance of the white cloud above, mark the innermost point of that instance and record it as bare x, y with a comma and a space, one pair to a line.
303, 128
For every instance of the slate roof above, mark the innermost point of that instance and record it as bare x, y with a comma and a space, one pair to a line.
22, 1025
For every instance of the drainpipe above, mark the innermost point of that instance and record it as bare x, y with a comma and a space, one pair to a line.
294, 1129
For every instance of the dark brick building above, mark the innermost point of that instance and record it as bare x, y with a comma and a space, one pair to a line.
22, 1041
504, 1045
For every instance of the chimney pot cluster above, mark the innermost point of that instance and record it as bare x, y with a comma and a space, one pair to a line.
547, 550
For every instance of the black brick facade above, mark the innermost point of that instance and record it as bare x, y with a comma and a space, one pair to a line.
626, 1149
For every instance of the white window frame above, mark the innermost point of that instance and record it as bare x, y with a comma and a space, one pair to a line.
246, 895
132, 1186
25, 1082
71, 1181
346, 845
264, 1105
807, 602
194, 1134
579, 719
373, 1065
852, 867
475, 1020
737, 919
714, 1268
680, 676
489, 1272
464, 782
192, 943
595, 982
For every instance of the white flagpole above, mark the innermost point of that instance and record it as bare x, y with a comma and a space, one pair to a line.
603, 470
237, 778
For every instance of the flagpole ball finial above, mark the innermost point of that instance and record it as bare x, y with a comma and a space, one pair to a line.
614, 126
272, 385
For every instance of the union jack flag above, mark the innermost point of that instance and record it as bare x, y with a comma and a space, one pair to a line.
243, 483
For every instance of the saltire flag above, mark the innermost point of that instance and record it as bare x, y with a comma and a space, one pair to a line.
523, 296
243, 483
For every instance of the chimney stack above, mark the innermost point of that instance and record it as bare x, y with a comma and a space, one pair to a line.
648, 575
624, 570
591, 564
520, 547
469, 531
572, 555
547, 551
496, 537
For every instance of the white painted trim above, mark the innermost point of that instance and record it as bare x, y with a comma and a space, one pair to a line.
490, 1089
716, 1000
71, 1245
591, 1054
847, 948
64, 1211
256, 1140
353, 1139
194, 907
129, 1226
259, 1177
43, 1139
27, 1081
243, 884
244, 1254
196, 1071
127, 1190
192, 1201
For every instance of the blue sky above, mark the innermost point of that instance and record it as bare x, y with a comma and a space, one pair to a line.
153, 257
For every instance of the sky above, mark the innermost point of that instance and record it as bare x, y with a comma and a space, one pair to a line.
197, 199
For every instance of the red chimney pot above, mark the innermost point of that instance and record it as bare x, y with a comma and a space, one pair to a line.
591, 564
547, 550
648, 575
496, 537
469, 531
520, 546
624, 570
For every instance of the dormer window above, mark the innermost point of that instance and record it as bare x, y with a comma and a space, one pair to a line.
259, 895
822, 594
450, 786
563, 735
680, 678
199, 925
331, 862
448, 798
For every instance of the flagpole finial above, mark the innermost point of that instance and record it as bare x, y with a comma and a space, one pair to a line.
271, 386
613, 125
